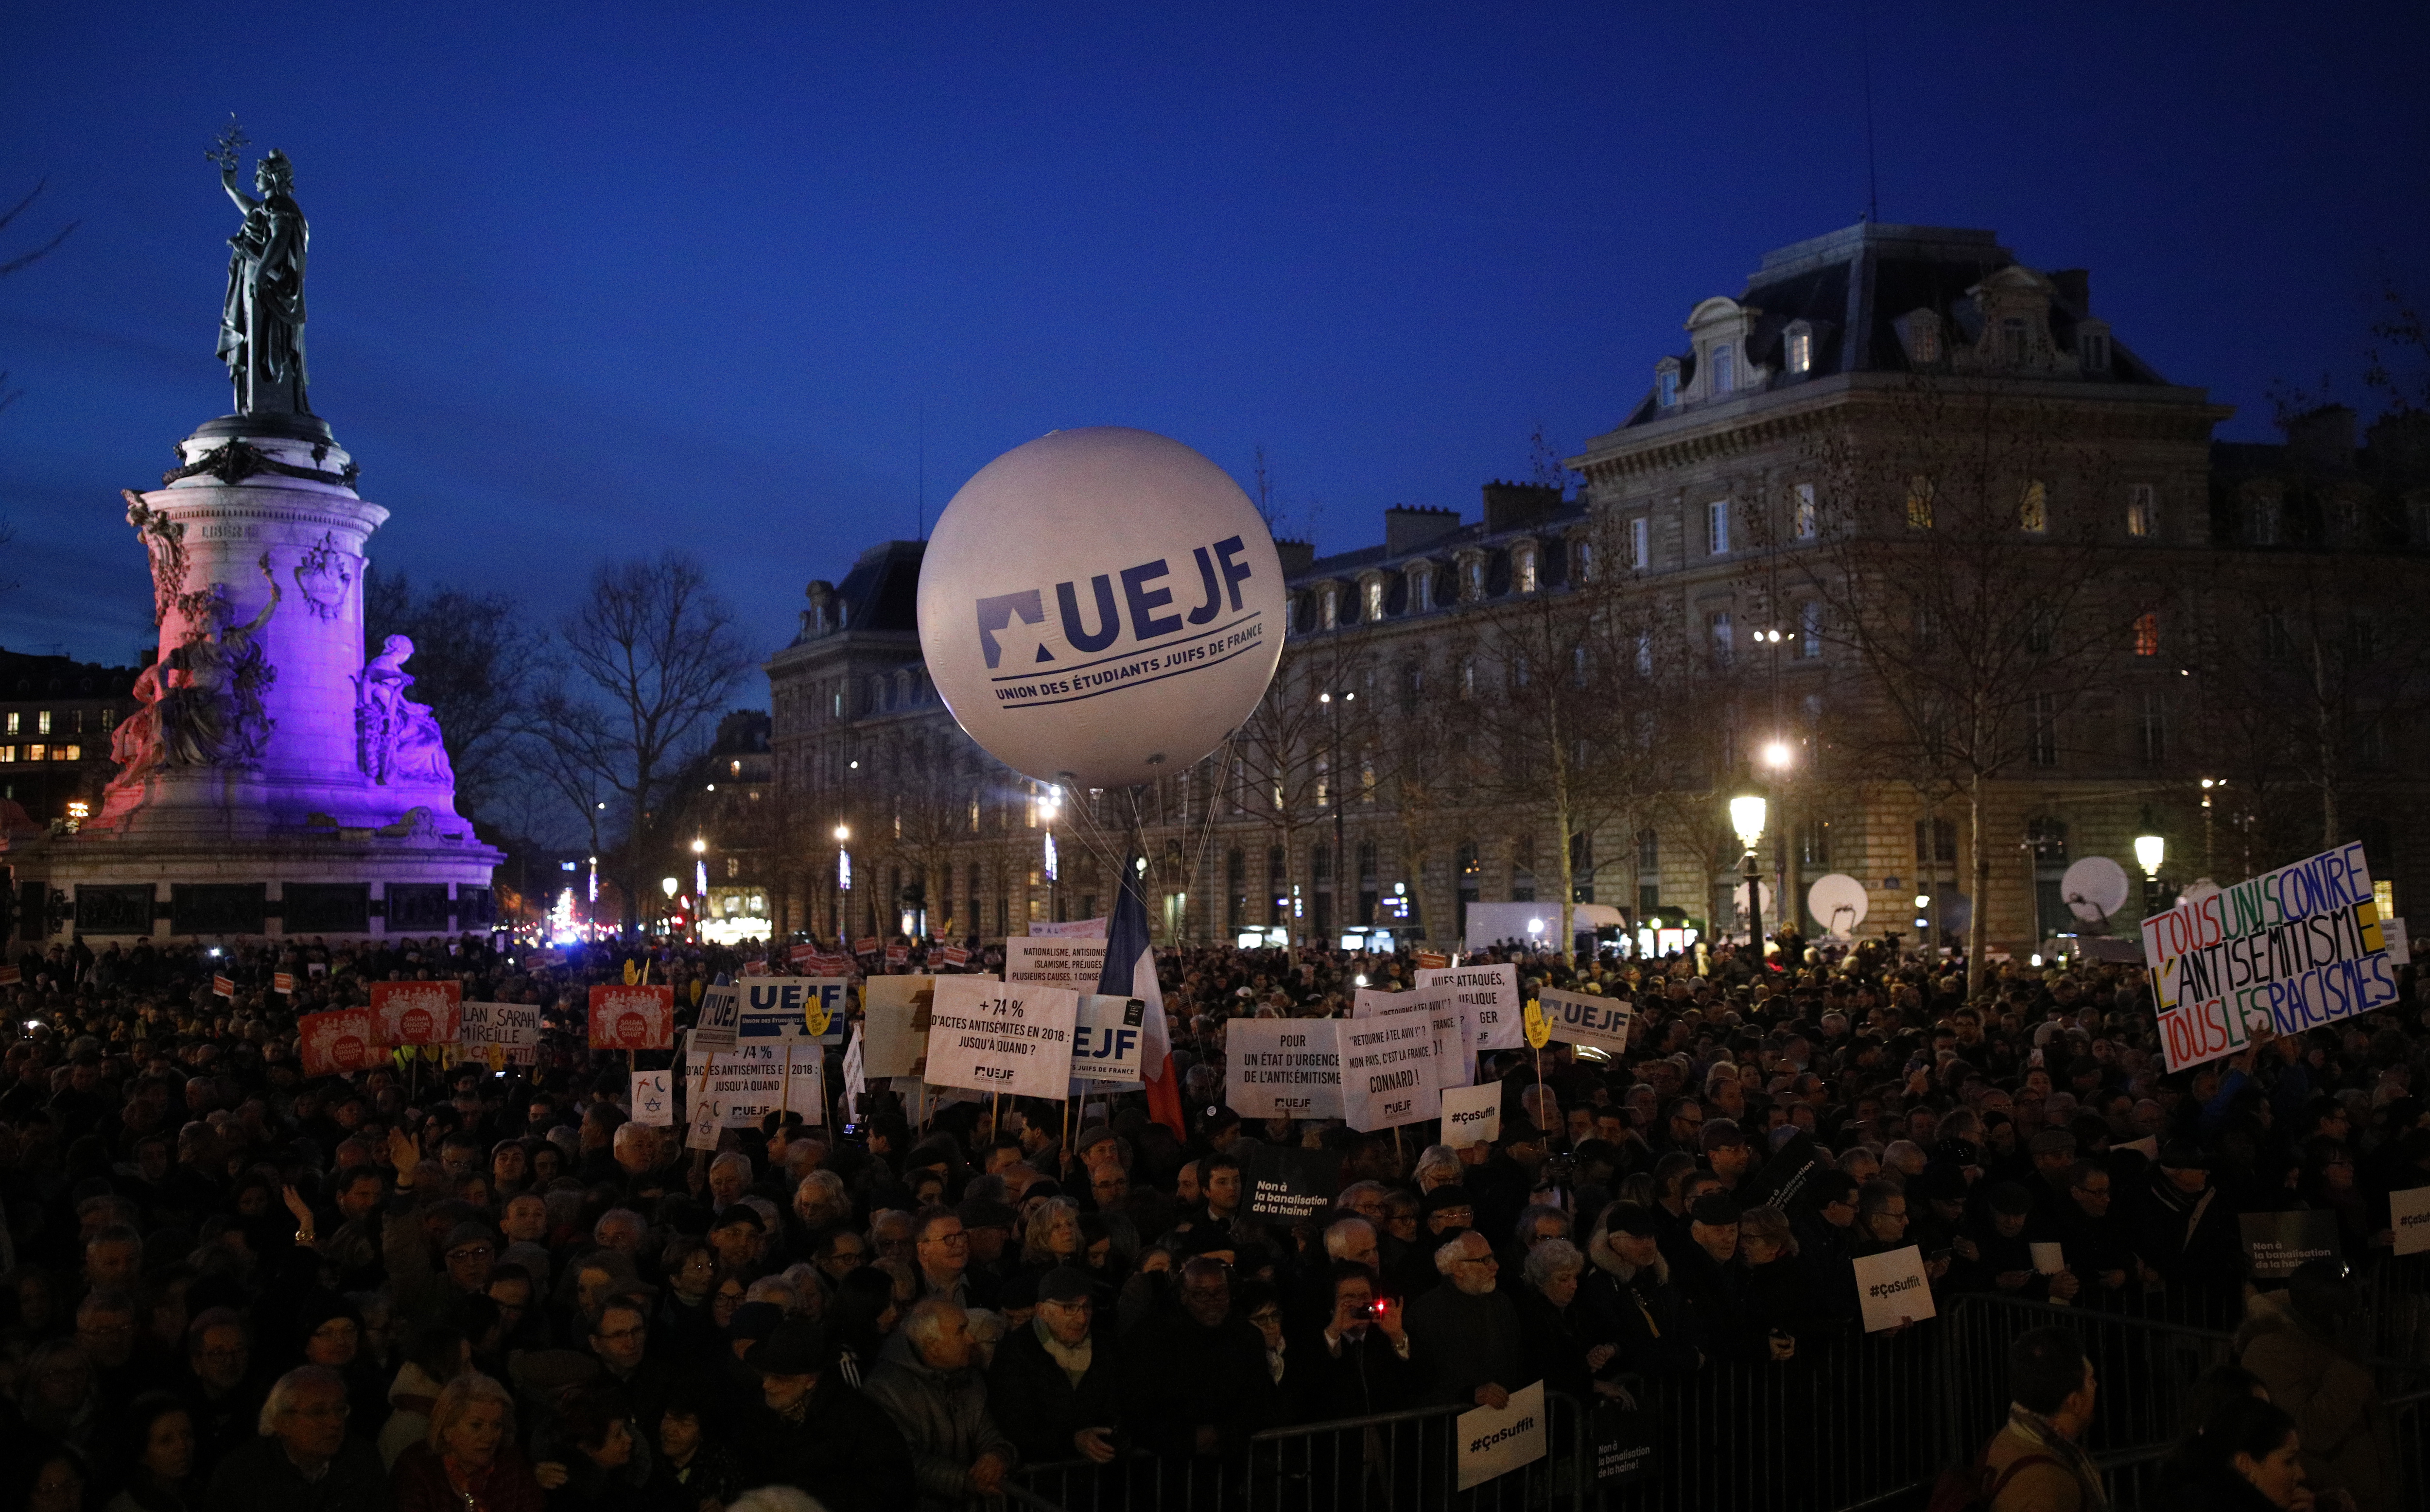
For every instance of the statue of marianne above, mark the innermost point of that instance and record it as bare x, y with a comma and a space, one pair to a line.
261, 321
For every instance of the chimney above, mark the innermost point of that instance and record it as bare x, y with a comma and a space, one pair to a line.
2074, 286
1409, 528
1515, 506
2323, 439
1298, 557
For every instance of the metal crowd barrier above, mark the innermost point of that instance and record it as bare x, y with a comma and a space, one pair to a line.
1393, 1462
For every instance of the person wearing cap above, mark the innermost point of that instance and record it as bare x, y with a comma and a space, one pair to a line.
940, 1402
1727, 1153
1444, 1214
739, 1235
813, 1431
1713, 1286
2188, 1235
1053, 1383
988, 1224
1629, 1296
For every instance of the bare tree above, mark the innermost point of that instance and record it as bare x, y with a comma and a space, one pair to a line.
644, 665
1958, 565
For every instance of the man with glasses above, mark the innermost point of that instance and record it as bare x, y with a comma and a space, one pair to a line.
620, 1340
2094, 1242
1194, 1383
1466, 1336
942, 1250
302, 1460
1053, 1384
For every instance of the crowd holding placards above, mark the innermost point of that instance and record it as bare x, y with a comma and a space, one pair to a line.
433, 1286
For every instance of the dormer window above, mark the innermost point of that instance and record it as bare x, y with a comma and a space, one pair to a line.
2014, 339
1665, 384
1799, 345
1374, 610
1421, 587
1725, 379
1921, 329
2092, 346
1476, 577
1523, 569
1582, 560
1331, 614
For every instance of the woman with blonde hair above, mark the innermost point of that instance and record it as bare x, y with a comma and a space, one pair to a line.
468, 1462
1053, 1236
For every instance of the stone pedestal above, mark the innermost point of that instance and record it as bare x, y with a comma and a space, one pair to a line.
260, 515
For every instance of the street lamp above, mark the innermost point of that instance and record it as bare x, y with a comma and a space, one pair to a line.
843, 877
1747, 813
2150, 851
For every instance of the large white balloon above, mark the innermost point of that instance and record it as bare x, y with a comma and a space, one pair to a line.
1101, 607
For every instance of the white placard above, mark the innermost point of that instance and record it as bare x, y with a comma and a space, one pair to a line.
2148, 1146
1497, 1440
2050, 1256
1075, 962
1491, 994
856, 1082
654, 1099
991, 1037
2409, 1214
1069, 929
721, 1009
779, 1010
1108, 1038
1388, 1067
1892, 1288
513, 1027
1472, 1115
1283, 1068
1584, 1019
806, 1082
742, 1087
895, 1023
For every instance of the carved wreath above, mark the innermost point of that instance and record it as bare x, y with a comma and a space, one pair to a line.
319, 569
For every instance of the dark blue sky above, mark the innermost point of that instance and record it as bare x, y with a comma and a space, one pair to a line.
599, 279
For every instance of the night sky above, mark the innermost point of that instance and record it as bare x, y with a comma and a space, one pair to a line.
600, 279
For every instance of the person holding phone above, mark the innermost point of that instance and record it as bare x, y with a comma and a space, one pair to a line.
1364, 1360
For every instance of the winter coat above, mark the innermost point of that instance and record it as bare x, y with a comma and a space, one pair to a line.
2349, 1443
1464, 1343
260, 1478
1641, 1312
421, 1481
1037, 1405
944, 1416
846, 1451
1179, 1377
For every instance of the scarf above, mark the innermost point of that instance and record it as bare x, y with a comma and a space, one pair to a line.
2060, 1447
1073, 1358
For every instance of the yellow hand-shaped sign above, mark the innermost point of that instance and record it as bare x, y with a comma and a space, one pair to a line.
1539, 1028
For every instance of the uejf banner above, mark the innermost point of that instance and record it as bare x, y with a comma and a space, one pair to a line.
993, 1038
632, 1017
1584, 1019
1106, 1040
2291, 949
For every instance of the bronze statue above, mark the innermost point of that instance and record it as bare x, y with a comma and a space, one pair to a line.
261, 320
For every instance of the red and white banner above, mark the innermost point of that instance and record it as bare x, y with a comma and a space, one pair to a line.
223, 987
865, 945
632, 1017
802, 955
418, 1013
9, 976
332, 1044
283, 983
954, 955
898, 955
833, 963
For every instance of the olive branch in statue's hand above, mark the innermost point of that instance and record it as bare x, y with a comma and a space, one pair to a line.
229, 148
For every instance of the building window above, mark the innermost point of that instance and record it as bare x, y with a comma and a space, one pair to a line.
15, 720
1803, 518
1523, 569
1577, 666
7, 753
1331, 616
1810, 629
1666, 387
1649, 874
2262, 522
1374, 600
1716, 630
1645, 653
1924, 337
1936, 840
1522, 869
42, 722
2154, 730
1476, 578
1468, 676
1641, 552
35, 753
2013, 339
1583, 560
1717, 528
1421, 588
2041, 738
1469, 870
1919, 502
2095, 354
2147, 635
2032, 511
1814, 844
2142, 514
1726, 375
1801, 350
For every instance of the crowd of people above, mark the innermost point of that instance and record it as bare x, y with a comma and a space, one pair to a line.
447, 1287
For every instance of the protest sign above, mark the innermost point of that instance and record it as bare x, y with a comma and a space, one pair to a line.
866, 945
1075, 962
1283, 1068
2409, 1214
1069, 929
1491, 994
856, 1082
954, 955
331, 1044
2049, 1256
1290, 1184
2289, 950
895, 1023
737, 1089
806, 1082
1892, 1288
418, 1013
283, 983
224, 986
632, 1017
991, 1037
721, 1012
791, 1009
512, 1029
2276, 1243
1584, 1019
1497, 1440
1431, 960
1388, 1066
654, 1099
1623, 1442
898, 955
2148, 1146
1472, 1115
1106, 1040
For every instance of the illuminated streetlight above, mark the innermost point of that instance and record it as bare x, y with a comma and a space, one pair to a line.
668, 886
2150, 851
1747, 814
1777, 755
699, 847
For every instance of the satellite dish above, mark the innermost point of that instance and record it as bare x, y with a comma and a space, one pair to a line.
2094, 888
1837, 903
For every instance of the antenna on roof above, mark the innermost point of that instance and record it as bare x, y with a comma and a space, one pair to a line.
1865, 54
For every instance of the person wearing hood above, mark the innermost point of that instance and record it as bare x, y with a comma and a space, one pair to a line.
2290, 1339
1630, 1296
941, 1405
441, 1352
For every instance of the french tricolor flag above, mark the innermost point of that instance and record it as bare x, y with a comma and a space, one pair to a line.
1130, 972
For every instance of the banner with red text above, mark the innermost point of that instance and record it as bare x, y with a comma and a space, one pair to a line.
632, 1017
